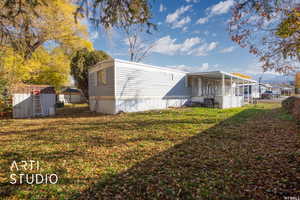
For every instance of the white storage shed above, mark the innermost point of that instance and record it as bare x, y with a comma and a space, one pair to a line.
33, 101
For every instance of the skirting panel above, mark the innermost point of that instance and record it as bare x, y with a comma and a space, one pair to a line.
136, 105
103, 106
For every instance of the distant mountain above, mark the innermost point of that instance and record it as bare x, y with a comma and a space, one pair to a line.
273, 78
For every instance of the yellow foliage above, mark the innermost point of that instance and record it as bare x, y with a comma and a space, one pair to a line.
43, 67
290, 25
297, 80
57, 22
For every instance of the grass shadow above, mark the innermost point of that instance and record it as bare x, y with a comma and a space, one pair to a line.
235, 159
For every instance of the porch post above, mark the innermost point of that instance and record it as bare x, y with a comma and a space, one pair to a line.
238, 89
199, 87
248, 93
243, 91
223, 85
231, 92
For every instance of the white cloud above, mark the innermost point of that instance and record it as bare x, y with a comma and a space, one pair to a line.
162, 8
190, 46
203, 49
202, 20
221, 7
212, 46
182, 22
227, 50
189, 43
204, 67
218, 9
201, 68
174, 16
255, 68
167, 45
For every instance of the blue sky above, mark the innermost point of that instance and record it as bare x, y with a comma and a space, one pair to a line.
191, 36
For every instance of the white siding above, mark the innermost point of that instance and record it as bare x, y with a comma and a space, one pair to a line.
23, 106
48, 101
134, 81
137, 87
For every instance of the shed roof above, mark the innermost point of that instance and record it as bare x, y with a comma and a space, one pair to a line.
44, 89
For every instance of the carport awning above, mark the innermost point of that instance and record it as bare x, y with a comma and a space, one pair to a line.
219, 74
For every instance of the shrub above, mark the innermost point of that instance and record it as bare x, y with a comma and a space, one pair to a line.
292, 106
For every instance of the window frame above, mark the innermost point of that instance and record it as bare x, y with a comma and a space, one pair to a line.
102, 77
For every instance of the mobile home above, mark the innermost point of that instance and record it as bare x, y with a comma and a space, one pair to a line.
117, 85
122, 86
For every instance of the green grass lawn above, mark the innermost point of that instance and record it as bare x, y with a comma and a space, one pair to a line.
188, 153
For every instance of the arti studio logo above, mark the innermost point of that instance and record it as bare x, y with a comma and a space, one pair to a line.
21, 173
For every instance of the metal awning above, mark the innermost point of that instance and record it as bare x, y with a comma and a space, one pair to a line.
219, 74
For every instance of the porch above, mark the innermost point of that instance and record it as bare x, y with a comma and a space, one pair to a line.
222, 89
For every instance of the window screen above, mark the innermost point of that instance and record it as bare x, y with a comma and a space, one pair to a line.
102, 77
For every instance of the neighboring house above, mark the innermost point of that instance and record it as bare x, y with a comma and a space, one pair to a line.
251, 90
287, 90
71, 95
264, 87
33, 101
122, 86
283, 89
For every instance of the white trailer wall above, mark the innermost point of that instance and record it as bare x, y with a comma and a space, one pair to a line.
133, 87
142, 87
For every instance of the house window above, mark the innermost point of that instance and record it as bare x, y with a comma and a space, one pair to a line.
172, 77
101, 77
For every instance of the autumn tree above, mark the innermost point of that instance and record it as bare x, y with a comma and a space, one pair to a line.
27, 25
270, 30
131, 17
50, 67
115, 13
81, 61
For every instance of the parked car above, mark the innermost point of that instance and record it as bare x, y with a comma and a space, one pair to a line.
270, 95
276, 94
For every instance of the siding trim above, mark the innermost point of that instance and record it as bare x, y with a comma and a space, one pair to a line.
134, 97
149, 67
100, 66
115, 78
